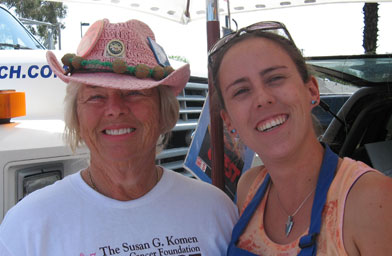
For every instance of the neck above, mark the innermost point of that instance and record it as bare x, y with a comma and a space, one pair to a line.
123, 180
296, 175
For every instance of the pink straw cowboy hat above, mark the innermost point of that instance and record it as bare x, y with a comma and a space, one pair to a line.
122, 56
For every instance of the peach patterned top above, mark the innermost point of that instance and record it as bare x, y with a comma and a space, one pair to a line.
330, 241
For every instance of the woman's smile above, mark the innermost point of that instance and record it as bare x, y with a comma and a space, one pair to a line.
116, 132
271, 123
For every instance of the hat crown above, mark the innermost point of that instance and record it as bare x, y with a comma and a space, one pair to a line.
106, 39
121, 56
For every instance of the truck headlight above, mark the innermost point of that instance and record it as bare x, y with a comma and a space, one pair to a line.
37, 177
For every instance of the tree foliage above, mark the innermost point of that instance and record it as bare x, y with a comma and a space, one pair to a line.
45, 11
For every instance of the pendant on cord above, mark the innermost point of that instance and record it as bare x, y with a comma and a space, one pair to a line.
289, 225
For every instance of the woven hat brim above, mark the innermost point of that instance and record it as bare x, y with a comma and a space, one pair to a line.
176, 80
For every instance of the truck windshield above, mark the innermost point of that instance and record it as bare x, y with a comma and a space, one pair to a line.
13, 35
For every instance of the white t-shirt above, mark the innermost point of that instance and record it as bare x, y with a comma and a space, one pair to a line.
179, 216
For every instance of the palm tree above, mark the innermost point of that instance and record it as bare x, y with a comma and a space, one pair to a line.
370, 30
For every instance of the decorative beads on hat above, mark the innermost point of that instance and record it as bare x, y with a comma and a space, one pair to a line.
77, 64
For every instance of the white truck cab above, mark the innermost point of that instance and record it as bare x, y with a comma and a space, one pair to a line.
32, 151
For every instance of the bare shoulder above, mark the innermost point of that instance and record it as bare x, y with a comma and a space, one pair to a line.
368, 216
244, 183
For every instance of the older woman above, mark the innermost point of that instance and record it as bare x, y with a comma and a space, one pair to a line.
304, 199
121, 99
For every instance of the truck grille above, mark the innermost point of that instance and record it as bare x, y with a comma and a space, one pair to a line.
191, 101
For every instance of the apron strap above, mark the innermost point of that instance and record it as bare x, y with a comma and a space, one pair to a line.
308, 243
239, 228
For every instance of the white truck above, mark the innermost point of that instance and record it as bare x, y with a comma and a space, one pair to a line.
32, 151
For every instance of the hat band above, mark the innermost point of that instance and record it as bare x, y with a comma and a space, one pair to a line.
76, 64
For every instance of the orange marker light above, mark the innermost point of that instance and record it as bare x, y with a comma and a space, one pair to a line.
12, 104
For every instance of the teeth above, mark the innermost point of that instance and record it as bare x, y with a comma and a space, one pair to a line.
119, 131
271, 124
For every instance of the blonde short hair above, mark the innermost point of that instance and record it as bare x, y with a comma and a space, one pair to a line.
169, 111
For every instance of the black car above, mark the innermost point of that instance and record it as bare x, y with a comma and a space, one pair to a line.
362, 128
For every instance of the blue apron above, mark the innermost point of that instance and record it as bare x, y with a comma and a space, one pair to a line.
307, 243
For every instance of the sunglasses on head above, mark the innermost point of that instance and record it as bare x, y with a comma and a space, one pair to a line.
264, 26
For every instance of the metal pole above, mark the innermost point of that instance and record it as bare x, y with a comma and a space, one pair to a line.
82, 24
228, 14
213, 34
59, 30
50, 39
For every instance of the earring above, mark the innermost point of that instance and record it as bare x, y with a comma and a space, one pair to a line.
233, 130
313, 102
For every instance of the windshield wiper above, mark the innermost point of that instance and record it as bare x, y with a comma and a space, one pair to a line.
326, 108
15, 46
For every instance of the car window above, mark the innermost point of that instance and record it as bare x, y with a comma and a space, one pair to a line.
13, 35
